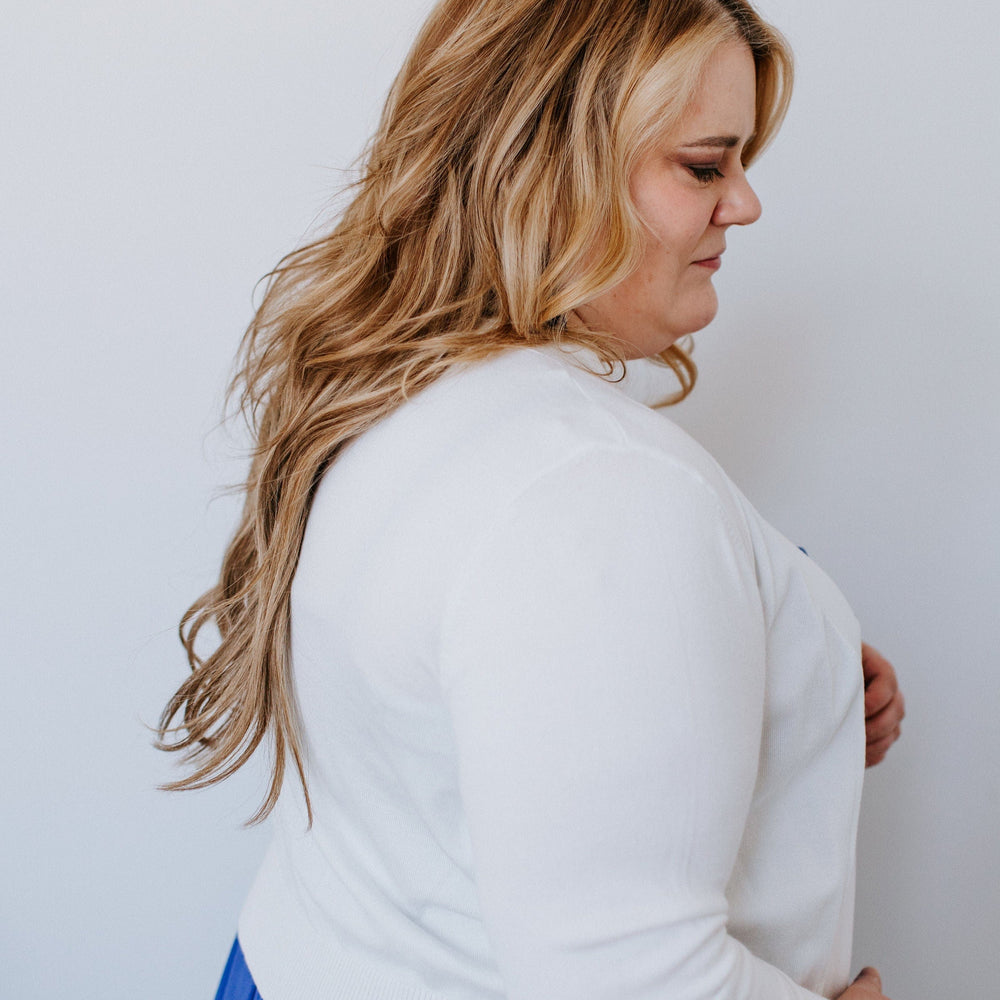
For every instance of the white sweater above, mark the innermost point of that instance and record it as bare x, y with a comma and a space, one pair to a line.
580, 724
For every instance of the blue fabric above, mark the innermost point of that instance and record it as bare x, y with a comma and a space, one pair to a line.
237, 983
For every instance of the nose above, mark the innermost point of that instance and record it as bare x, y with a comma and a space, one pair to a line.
738, 204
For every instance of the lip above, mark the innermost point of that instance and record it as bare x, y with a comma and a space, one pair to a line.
712, 263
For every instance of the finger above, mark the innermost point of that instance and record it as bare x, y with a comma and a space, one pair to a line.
876, 753
883, 722
869, 978
895, 709
882, 745
880, 690
873, 662
875, 667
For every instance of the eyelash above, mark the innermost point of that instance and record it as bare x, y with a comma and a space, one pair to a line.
706, 174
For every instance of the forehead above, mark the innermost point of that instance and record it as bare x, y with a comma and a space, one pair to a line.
725, 98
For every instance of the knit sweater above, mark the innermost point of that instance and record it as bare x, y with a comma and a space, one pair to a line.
579, 724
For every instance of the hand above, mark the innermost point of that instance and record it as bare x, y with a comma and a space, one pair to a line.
868, 986
884, 706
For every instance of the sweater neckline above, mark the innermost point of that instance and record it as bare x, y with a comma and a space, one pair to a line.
649, 381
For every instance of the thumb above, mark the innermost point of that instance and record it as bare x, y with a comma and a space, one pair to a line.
870, 979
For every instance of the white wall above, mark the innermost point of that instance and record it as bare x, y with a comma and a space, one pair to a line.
158, 157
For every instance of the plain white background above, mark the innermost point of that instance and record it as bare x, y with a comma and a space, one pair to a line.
158, 158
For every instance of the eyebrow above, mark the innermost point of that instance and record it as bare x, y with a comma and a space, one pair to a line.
715, 141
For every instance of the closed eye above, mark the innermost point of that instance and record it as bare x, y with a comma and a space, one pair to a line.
706, 174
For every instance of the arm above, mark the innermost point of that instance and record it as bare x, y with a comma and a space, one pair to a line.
604, 664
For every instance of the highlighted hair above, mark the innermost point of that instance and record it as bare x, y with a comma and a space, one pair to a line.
492, 201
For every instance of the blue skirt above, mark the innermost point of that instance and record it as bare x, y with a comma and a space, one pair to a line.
237, 983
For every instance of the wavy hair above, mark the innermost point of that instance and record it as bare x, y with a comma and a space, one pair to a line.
492, 200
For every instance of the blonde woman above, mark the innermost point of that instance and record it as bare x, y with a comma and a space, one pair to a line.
568, 719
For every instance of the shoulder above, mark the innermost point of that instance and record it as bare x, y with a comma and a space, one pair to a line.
527, 423
531, 410
560, 456
615, 548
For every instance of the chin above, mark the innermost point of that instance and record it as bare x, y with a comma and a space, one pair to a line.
699, 317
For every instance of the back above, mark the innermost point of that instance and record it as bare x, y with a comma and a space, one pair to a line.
523, 602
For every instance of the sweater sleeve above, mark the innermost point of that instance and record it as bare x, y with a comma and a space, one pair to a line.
603, 663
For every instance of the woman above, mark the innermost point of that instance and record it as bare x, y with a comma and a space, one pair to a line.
570, 720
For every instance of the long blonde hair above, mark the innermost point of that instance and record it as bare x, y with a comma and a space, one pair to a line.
492, 201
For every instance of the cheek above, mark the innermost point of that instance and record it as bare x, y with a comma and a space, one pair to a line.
663, 264
675, 236
657, 198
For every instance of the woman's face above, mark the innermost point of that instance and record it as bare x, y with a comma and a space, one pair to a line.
689, 189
